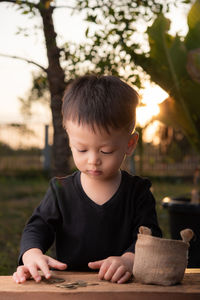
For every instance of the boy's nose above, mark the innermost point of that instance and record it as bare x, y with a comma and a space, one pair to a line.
94, 159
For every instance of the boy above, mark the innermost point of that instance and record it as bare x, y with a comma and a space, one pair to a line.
95, 213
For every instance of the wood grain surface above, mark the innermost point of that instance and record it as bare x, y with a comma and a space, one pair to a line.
97, 289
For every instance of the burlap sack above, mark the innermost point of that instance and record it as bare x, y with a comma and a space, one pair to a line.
159, 261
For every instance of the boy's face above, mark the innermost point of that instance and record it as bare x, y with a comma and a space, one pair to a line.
98, 154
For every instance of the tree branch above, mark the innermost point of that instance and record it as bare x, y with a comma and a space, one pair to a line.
26, 60
63, 6
24, 2
21, 2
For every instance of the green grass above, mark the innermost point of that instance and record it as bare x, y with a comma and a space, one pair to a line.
20, 195
18, 198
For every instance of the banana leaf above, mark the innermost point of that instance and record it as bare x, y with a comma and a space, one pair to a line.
177, 64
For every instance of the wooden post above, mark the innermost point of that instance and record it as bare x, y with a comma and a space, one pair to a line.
46, 151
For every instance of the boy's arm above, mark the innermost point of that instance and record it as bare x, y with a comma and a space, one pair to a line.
33, 261
37, 237
145, 215
145, 211
39, 231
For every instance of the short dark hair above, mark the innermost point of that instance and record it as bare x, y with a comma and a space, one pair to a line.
102, 101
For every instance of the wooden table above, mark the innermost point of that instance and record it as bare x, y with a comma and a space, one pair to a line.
189, 289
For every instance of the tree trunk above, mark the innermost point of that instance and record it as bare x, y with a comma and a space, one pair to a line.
56, 79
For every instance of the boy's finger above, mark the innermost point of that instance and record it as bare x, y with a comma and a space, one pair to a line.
103, 269
110, 272
43, 266
118, 274
124, 278
34, 272
56, 264
15, 277
96, 264
22, 273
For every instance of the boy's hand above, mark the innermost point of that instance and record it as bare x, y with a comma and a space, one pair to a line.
115, 268
35, 260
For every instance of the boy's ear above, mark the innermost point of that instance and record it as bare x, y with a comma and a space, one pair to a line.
132, 143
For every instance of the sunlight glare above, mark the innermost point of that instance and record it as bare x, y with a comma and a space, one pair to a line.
151, 96
150, 133
145, 114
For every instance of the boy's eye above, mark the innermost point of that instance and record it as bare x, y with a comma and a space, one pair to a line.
106, 152
81, 150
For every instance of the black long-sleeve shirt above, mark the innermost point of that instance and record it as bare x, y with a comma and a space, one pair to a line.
85, 231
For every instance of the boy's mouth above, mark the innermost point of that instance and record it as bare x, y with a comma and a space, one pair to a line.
94, 172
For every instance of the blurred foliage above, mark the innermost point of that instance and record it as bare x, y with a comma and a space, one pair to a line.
171, 66
113, 35
39, 92
174, 146
5, 149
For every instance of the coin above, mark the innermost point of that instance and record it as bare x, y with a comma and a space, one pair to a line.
53, 280
81, 283
67, 286
76, 284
